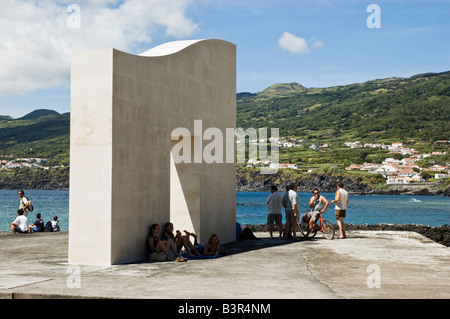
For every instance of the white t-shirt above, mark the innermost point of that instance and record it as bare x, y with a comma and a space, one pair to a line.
293, 197
55, 225
23, 203
22, 222
342, 203
274, 202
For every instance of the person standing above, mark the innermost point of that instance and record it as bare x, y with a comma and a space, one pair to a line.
24, 203
274, 210
286, 203
341, 201
291, 206
295, 201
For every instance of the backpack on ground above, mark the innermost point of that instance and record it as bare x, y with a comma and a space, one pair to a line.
48, 227
247, 234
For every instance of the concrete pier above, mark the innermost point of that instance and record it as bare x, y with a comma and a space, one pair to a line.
367, 264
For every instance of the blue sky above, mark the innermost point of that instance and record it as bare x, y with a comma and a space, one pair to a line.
317, 43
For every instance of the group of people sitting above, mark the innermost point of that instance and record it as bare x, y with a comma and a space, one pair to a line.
21, 224
170, 246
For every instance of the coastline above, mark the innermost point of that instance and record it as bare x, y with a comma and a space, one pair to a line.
246, 181
326, 183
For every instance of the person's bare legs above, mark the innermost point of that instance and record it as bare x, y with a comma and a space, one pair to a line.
171, 245
280, 227
193, 247
343, 228
340, 222
294, 231
286, 230
161, 247
193, 236
195, 242
312, 225
271, 230
184, 241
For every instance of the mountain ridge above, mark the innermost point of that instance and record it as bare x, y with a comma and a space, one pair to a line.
398, 108
39, 113
376, 110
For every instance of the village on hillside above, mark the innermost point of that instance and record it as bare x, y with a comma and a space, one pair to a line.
11, 162
396, 171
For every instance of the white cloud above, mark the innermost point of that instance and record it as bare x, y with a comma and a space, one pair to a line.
318, 44
297, 45
36, 40
292, 43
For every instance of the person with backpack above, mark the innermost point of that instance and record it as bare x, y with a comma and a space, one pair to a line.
25, 204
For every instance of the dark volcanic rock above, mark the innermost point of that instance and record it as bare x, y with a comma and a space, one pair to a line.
439, 234
255, 182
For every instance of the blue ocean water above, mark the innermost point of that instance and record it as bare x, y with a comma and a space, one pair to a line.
251, 208
47, 203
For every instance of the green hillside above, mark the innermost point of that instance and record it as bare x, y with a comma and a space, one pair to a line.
379, 110
39, 114
41, 133
386, 110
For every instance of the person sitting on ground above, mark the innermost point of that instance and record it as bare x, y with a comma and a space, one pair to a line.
212, 247
180, 240
318, 205
55, 223
158, 246
198, 247
38, 225
20, 224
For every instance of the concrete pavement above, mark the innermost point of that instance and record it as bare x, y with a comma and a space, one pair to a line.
367, 264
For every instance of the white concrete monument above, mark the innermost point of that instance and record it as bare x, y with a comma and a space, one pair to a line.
125, 110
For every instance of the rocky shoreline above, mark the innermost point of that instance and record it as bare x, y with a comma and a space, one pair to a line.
246, 181
327, 184
439, 234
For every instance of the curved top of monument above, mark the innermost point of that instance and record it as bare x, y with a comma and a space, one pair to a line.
172, 47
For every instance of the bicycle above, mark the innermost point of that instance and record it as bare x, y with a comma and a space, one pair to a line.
324, 226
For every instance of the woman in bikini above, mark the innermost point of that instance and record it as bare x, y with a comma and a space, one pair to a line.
212, 247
